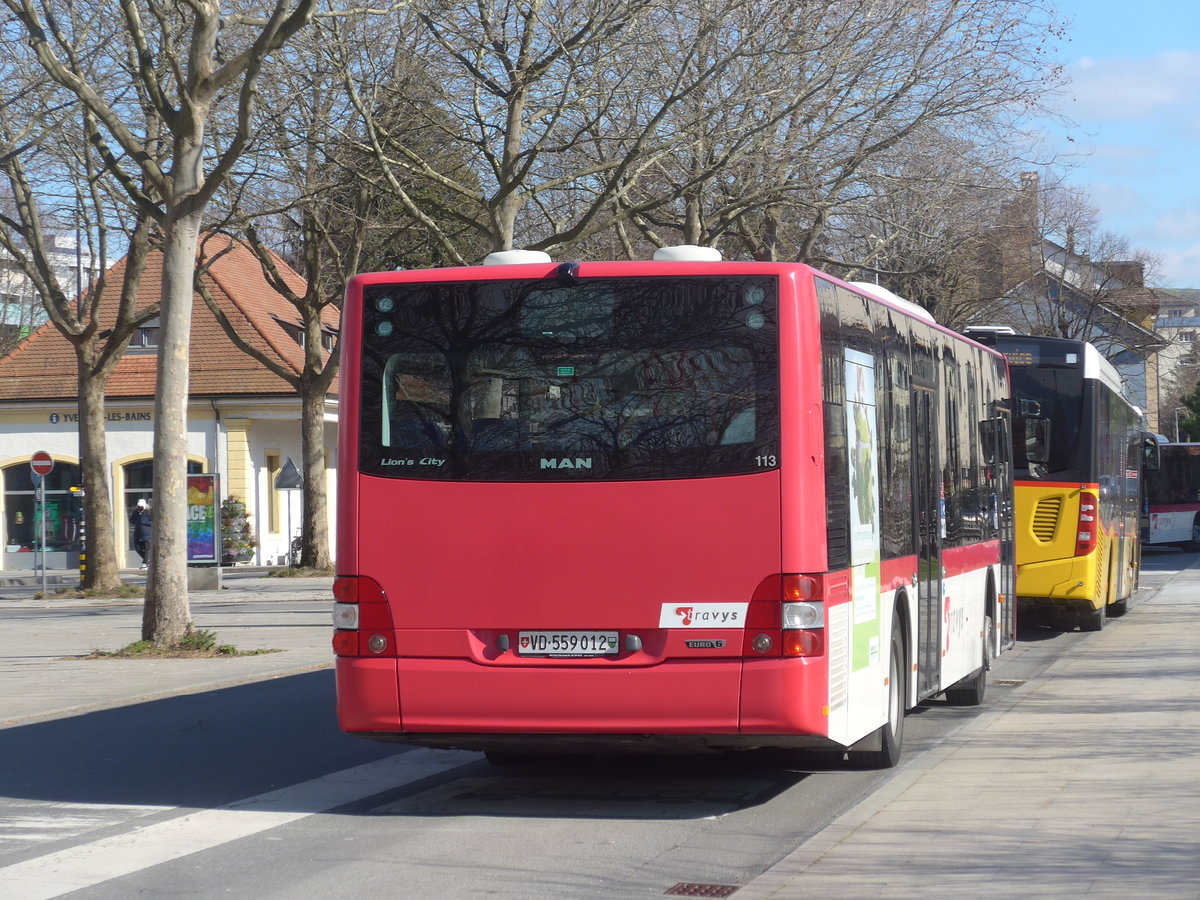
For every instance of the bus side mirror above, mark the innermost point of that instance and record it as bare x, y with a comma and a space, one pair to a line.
1151, 458
1037, 440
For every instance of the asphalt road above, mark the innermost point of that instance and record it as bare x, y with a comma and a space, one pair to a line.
251, 791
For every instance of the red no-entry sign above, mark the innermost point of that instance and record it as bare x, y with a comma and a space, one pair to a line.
41, 463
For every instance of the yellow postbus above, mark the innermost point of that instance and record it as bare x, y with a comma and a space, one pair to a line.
1078, 444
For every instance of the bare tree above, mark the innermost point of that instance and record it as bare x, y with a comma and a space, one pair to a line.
150, 99
628, 124
297, 198
1065, 276
923, 225
547, 104
845, 92
36, 124
313, 382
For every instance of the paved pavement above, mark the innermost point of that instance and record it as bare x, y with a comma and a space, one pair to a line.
1081, 782
44, 675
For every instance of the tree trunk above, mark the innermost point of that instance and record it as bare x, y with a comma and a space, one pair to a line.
166, 615
315, 531
100, 569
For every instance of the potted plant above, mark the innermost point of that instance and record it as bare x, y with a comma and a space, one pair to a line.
237, 538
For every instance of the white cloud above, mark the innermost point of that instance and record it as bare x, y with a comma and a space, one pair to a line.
1117, 201
1124, 88
1180, 267
1179, 225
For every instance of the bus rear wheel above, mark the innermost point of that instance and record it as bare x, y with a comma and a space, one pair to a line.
970, 691
1094, 621
890, 735
1193, 545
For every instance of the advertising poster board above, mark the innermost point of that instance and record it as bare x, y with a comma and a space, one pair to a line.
204, 539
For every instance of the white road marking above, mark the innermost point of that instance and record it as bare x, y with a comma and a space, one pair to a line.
93, 863
39, 822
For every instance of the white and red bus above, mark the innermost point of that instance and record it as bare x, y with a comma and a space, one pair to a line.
694, 505
1173, 495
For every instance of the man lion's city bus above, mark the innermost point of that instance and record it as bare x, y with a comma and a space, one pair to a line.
1078, 451
670, 504
1173, 492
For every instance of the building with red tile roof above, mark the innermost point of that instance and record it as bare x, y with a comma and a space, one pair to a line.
243, 418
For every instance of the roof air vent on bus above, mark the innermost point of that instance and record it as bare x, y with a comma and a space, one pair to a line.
881, 293
687, 253
976, 330
515, 257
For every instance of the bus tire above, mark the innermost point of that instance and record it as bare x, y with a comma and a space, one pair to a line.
971, 690
1094, 621
1118, 608
890, 735
1193, 545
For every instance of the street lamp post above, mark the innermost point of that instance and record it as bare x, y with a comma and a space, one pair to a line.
875, 242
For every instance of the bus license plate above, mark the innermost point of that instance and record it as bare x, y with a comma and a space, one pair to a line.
567, 643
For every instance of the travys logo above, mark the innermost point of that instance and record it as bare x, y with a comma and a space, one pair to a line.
702, 615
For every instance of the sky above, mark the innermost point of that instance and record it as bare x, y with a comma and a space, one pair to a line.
1134, 94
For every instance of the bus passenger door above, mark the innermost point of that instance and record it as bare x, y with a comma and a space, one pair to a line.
1007, 526
927, 527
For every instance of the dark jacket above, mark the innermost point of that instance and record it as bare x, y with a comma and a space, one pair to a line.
140, 520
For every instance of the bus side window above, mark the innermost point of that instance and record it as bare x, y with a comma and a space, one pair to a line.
1037, 440
837, 487
1151, 456
987, 439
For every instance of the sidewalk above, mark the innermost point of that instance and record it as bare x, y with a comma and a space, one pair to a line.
1080, 783
44, 676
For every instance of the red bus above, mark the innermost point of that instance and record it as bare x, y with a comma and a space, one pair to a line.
1173, 495
682, 504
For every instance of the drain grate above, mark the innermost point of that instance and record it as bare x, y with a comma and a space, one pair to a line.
1008, 683
685, 889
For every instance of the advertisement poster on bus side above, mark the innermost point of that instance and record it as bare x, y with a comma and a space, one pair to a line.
203, 544
863, 448
863, 462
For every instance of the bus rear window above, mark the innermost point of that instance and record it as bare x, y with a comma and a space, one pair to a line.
1059, 395
633, 378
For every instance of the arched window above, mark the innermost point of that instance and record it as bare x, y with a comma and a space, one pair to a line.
63, 515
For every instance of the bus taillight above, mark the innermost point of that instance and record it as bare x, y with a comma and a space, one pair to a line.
1085, 537
362, 618
786, 617
803, 616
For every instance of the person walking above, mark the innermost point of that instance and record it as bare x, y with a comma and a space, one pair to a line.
140, 520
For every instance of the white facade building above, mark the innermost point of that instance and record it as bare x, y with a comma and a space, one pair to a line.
243, 421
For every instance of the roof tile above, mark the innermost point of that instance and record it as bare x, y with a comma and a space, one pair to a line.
43, 367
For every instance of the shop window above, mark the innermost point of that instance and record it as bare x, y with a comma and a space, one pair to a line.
62, 510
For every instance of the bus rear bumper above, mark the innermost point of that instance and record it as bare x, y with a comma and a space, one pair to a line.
683, 704
367, 697
1058, 586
